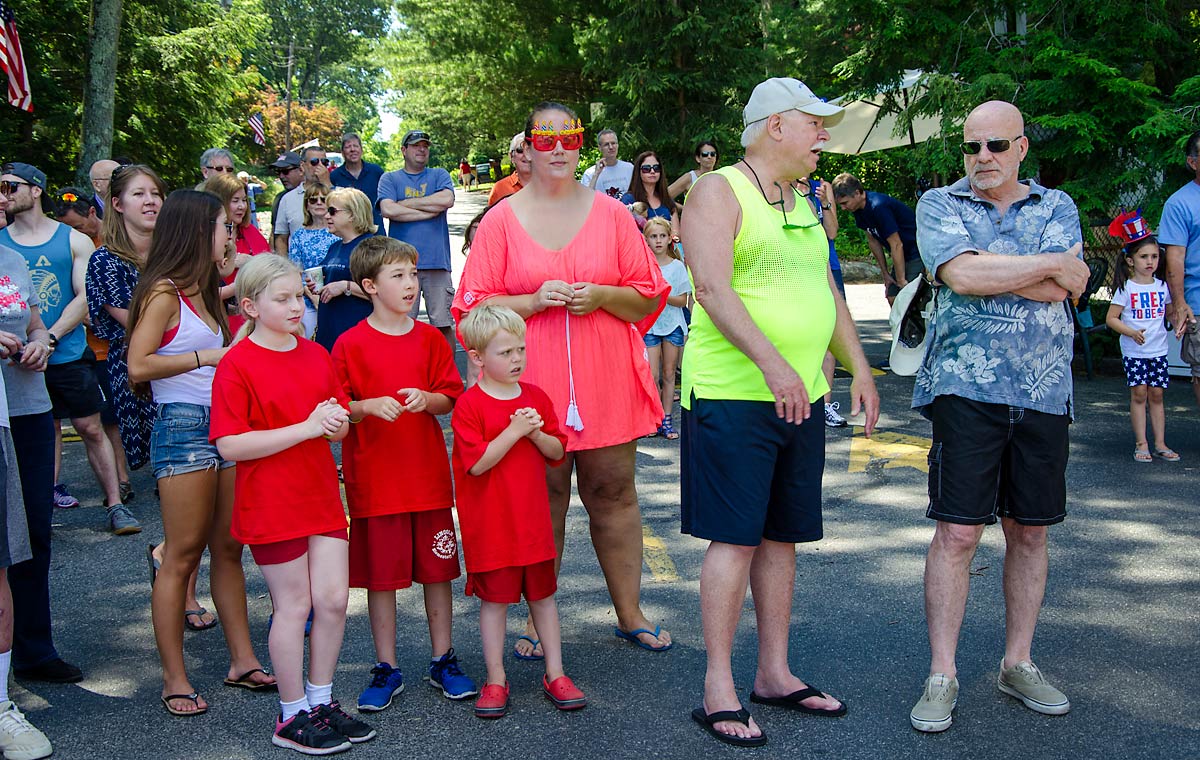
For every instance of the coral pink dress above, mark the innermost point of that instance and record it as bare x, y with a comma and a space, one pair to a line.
614, 399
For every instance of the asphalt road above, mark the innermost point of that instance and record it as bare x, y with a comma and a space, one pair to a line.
1118, 631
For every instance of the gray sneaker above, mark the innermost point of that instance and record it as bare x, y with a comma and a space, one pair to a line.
20, 739
934, 711
1025, 682
121, 521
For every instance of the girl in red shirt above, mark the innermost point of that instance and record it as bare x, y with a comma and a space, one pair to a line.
286, 504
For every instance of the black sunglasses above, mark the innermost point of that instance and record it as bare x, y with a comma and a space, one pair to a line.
8, 188
315, 161
995, 145
647, 168
219, 168
708, 154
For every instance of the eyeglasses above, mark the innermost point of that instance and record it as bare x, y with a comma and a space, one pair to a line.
800, 196
545, 141
520, 150
315, 161
331, 210
219, 168
708, 154
316, 199
651, 168
995, 145
286, 170
9, 187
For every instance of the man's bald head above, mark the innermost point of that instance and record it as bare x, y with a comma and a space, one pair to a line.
996, 113
101, 174
996, 132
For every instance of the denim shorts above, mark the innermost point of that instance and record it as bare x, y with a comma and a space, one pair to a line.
179, 442
675, 338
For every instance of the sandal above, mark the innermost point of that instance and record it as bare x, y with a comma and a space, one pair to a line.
194, 697
533, 656
667, 430
1143, 455
154, 564
246, 681
708, 722
1166, 455
200, 613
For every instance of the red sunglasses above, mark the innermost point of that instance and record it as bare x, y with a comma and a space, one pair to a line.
543, 136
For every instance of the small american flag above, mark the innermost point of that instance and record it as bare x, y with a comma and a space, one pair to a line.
12, 60
256, 125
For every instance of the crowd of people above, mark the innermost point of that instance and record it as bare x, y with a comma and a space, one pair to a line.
148, 320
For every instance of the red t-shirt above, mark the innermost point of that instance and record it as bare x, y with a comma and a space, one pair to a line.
293, 493
401, 466
503, 514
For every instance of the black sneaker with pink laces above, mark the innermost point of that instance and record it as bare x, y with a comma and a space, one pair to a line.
309, 734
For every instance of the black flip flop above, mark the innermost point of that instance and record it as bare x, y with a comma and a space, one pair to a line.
194, 697
706, 721
243, 681
153, 563
793, 702
200, 613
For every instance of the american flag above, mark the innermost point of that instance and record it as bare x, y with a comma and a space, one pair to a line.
12, 60
256, 125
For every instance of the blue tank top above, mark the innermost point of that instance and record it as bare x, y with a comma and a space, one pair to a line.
50, 267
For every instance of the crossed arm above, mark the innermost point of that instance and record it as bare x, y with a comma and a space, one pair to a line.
417, 209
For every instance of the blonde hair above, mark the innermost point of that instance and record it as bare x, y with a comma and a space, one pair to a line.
485, 321
256, 277
225, 185
641, 208
355, 203
375, 253
658, 221
310, 192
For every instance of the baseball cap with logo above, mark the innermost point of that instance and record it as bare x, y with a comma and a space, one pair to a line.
415, 136
30, 174
288, 160
780, 94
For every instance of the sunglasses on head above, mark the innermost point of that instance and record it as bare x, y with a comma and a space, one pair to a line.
995, 145
651, 168
315, 161
543, 136
708, 154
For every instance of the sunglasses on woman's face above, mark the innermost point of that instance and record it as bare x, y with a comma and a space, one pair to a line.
316, 199
331, 210
651, 168
545, 142
995, 145
315, 161
708, 154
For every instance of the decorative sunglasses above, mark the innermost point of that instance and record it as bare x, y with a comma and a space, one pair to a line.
651, 168
543, 136
995, 145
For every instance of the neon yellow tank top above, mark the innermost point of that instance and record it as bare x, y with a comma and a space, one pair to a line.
782, 278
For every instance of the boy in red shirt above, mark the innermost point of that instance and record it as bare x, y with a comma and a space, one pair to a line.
399, 374
505, 432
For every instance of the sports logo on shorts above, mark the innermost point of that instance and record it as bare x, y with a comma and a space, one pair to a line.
468, 298
444, 545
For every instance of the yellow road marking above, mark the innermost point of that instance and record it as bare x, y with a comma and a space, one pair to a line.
654, 551
892, 449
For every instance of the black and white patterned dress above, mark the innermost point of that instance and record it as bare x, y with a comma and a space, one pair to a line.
110, 282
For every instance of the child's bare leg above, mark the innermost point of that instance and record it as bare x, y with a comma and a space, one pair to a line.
558, 482
1158, 418
289, 586
493, 622
545, 614
439, 611
670, 362
329, 573
381, 609
1137, 414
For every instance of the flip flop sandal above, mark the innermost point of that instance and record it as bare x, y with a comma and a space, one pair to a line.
632, 636
529, 657
194, 697
793, 702
244, 681
1142, 455
200, 613
1166, 455
154, 565
708, 720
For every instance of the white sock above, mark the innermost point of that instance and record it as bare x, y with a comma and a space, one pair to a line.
318, 695
290, 709
5, 661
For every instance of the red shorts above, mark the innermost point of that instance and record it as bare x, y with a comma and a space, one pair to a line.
391, 552
505, 585
286, 551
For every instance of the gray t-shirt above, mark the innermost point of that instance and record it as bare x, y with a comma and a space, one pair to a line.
25, 390
1000, 349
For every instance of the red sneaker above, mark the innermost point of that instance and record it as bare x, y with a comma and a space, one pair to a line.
492, 702
563, 693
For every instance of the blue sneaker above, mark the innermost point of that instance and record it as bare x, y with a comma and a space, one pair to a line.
307, 623
445, 674
386, 682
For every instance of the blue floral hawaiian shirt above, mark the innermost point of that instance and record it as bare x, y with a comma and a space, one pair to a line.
1000, 349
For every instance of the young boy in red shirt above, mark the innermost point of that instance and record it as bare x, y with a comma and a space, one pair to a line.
505, 432
399, 374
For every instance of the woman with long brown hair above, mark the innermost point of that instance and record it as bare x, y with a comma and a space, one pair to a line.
649, 186
178, 333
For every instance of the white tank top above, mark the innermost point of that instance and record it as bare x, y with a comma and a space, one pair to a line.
192, 334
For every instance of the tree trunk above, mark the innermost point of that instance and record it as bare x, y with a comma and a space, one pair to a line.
99, 95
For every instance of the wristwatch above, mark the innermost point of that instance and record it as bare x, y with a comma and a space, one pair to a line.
347, 287
52, 341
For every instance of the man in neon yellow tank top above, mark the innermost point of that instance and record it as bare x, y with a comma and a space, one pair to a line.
767, 310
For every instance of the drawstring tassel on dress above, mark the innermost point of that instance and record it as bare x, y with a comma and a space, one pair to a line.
573, 420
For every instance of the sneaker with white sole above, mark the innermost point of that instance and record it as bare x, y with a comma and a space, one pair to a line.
386, 683
447, 675
1025, 682
832, 418
121, 521
20, 739
934, 711
309, 734
63, 499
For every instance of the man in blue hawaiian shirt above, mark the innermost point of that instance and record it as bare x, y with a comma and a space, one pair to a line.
996, 383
